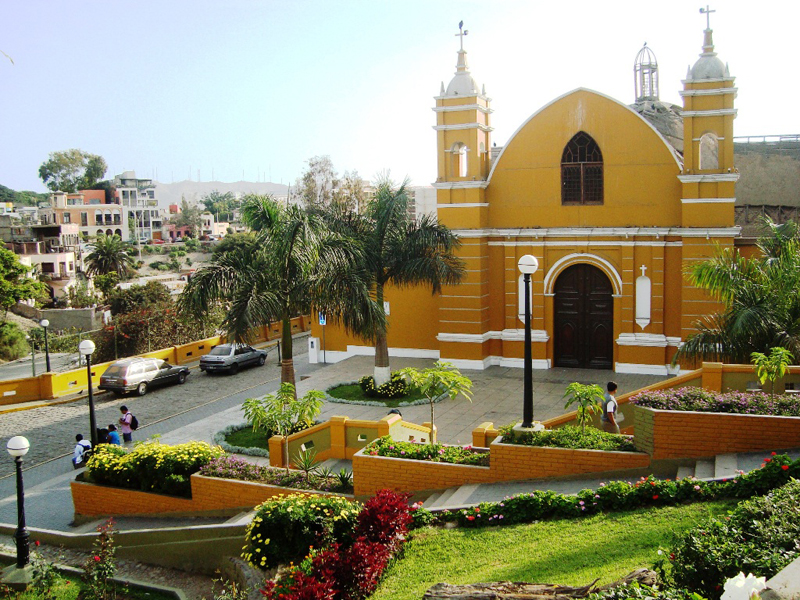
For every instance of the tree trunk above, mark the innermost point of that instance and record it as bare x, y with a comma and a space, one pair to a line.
287, 362
382, 373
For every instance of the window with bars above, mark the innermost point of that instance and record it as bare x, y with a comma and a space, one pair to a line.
582, 171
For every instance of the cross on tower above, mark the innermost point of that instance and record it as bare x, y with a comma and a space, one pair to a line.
707, 12
461, 33
643, 268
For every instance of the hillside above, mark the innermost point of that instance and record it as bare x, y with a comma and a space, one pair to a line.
193, 191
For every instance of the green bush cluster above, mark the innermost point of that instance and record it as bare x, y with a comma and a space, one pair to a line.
636, 591
458, 455
776, 471
284, 527
151, 466
759, 536
13, 344
394, 388
570, 437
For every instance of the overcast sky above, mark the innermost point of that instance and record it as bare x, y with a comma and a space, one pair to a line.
246, 89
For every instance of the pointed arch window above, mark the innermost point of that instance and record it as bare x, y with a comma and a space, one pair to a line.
582, 171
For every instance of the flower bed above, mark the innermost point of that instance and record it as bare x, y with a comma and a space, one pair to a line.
456, 455
230, 467
616, 496
393, 402
570, 437
700, 400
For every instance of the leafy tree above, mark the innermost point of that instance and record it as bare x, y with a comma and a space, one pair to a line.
587, 397
349, 192
106, 283
110, 253
246, 242
398, 250
282, 413
189, 217
15, 285
21, 198
316, 185
441, 378
773, 366
153, 295
72, 170
13, 344
761, 303
295, 263
221, 205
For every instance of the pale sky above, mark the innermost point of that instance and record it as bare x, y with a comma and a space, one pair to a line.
171, 87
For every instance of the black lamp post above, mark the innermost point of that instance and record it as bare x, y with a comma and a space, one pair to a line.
45, 324
527, 266
18, 447
86, 348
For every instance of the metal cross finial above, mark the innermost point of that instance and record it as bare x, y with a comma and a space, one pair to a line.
707, 12
461, 33
643, 268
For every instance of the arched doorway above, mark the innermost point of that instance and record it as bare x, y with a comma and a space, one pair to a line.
583, 319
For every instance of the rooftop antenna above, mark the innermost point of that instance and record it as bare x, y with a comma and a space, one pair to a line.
462, 32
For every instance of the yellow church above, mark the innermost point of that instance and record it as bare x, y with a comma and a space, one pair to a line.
613, 200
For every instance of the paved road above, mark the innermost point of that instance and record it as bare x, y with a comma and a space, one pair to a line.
22, 367
51, 429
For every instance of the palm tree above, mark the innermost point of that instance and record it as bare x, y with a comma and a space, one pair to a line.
397, 250
110, 254
296, 262
762, 306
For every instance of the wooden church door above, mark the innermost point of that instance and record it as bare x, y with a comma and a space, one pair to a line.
583, 321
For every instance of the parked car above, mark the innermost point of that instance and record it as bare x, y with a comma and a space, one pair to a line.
140, 374
231, 357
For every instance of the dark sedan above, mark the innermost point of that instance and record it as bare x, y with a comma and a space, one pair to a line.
140, 374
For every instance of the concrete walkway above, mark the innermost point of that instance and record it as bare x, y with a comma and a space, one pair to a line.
497, 398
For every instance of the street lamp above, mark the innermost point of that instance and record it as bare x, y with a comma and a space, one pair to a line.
86, 348
45, 324
18, 447
527, 266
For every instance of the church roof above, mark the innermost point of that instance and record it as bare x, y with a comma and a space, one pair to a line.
665, 117
462, 84
708, 66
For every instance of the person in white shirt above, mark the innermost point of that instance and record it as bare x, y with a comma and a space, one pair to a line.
82, 452
610, 406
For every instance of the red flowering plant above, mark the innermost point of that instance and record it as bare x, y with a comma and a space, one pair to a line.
99, 569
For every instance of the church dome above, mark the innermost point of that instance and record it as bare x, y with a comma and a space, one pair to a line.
708, 66
462, 84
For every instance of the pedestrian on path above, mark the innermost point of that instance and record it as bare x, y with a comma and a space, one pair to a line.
125, 424
82, 452
113, 436
610, 406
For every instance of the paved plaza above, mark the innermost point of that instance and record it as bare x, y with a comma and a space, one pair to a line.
210, 404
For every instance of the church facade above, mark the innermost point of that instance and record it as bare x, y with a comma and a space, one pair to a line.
612, 200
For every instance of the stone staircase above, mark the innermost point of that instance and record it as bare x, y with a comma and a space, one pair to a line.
721, 466
452, 498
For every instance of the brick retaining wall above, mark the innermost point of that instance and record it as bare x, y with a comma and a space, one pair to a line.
688, 434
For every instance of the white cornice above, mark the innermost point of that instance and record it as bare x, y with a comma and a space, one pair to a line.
463, 126
507, 335
446, 97
708, 200
484, 109
709, 92
623, 232
464, 205
458, 185
716, 80
710, 177
720, 112
642, 339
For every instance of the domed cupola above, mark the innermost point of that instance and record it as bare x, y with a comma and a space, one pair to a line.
645, 72
708, 66
462, 84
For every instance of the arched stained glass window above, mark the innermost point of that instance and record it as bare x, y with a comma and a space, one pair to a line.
582, 171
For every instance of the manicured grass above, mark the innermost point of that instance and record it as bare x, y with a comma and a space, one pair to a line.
246, 438
353, 392
568, 552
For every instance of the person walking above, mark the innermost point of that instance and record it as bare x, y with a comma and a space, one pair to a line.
113, 436
82, 452
125, 424
610, 406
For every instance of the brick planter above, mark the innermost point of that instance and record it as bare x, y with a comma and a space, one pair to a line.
210, 495
688, 434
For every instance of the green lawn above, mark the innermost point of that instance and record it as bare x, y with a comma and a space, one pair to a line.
569, 552
353, 392
245, 438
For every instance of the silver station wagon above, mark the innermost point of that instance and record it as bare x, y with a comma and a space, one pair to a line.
231, 358
140, 374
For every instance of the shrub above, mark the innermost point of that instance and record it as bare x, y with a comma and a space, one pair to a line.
296, 522
760, 537
697, 399
570, 437
458, 455
13, 344
635, 591
150, 467
394, 388
384, 518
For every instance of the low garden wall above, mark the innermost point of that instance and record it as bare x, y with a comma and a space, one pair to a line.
210, 495
688, 434
508, 462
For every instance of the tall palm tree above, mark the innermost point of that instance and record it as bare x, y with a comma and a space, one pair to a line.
397, 250
295, 262
110, 254
762, 305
